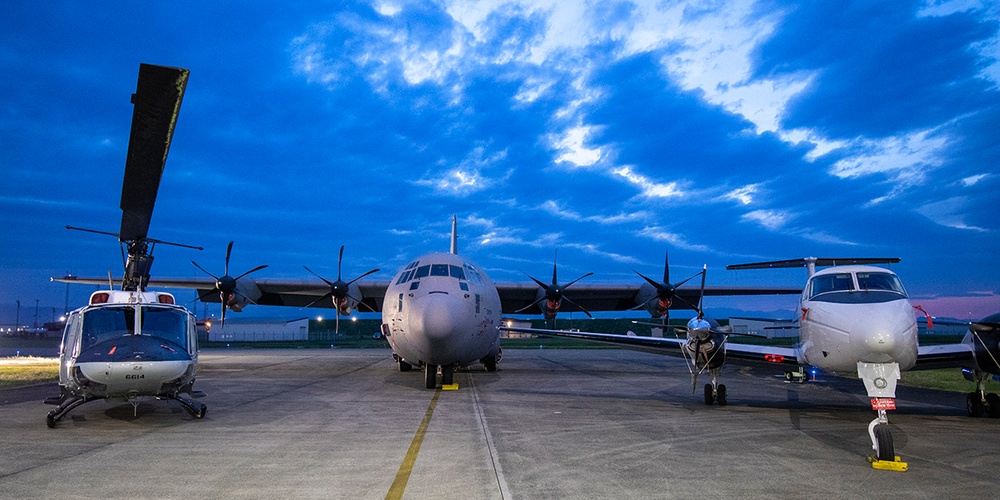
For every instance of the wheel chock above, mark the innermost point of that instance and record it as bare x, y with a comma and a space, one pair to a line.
449, 387
894, 465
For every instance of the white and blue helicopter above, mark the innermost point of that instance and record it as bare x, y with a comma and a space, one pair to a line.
130, 344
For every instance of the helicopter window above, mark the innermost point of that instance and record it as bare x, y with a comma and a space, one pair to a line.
879, 281
423, 271
107, 323
167, 324
825, 283
439, 270
457, 272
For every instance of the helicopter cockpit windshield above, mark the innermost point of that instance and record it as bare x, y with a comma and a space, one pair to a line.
112, 322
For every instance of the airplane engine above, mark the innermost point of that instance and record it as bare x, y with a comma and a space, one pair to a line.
985, 339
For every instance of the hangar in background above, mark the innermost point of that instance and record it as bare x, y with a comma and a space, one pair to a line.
256, 329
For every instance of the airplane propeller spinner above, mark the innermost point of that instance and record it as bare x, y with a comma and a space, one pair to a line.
226, 286
340, 291
553, 294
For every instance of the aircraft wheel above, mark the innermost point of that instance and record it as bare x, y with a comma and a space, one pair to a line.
201, 412
883, 441
490, 363
788, 376
975, 405
447, 374
50, 421
709, 397
403, 365
430, 376
721, 395
993, 405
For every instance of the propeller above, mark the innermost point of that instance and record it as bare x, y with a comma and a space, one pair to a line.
225, 285
665, 291
339, 290
554, 292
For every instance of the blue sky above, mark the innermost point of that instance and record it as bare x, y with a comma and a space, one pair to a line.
724, 132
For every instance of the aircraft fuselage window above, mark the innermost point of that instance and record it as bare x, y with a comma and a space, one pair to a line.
439, 270
400, 303
477, 303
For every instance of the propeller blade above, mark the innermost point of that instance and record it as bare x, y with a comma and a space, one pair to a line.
578, 279
373, 271
340, 260
258, 268
330, 283
581, 307
327, 296
216, 278
666, 266
229, 253
529, 306
704, 271
544, 286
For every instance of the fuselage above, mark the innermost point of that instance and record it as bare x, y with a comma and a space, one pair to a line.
128, 344
852, 314
441, 309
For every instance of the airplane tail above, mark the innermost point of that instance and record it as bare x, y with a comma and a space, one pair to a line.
810, 263
454, 234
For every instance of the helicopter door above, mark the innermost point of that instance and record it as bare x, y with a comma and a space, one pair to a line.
69, 347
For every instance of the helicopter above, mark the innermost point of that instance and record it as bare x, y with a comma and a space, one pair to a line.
130, 344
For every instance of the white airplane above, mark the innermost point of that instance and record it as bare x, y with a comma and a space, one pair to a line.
855, 318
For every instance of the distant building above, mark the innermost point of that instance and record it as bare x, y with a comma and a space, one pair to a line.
766, 327
259, 330
515, 323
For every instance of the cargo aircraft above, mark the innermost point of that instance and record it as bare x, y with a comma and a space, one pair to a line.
855, 318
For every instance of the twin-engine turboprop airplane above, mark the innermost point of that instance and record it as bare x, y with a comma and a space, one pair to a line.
854, 318
131, 344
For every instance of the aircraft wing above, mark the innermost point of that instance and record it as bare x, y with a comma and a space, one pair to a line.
619, 297
747, 354
274, 292
945, 356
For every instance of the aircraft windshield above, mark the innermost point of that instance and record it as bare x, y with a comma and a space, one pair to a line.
108, 323
880, 281
840, 282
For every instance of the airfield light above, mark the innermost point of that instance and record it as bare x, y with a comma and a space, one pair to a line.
354, 318
319, 318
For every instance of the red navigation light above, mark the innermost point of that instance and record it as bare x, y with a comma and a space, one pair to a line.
165, 298
99, 298
774, 358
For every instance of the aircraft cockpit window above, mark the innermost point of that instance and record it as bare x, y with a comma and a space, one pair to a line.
107, 323
472, 274
457, 272
414, 285
439, 270
826, 283
880, 281
167, 324
423, 271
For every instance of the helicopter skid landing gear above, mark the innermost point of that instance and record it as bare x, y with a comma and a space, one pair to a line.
66, 403
197, 410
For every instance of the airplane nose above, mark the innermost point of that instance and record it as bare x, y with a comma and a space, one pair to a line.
435, 318
880, 339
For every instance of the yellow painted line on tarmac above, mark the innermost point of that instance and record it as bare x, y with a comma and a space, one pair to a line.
405, 468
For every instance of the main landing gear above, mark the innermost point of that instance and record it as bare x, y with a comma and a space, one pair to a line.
715, 392
979, 402
67, 402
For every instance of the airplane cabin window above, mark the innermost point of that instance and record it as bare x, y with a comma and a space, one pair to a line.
439, 270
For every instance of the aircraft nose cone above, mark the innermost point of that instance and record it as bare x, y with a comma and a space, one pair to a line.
435, 319
880, 339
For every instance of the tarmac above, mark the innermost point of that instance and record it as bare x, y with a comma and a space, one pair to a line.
601, 423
